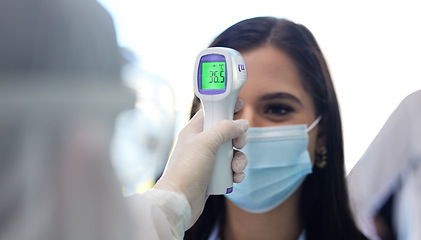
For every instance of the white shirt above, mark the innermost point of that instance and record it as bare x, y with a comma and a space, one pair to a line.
392, 164
160, 214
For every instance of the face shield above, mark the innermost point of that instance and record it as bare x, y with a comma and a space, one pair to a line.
55, 174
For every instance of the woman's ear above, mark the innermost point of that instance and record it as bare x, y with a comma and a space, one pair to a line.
321, 150
321, 133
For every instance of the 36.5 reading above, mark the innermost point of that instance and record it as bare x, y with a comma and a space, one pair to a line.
213, 75
217, 76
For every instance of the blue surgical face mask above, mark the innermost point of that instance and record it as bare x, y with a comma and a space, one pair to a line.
278, 164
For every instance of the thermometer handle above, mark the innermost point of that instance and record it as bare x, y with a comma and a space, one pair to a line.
221, 180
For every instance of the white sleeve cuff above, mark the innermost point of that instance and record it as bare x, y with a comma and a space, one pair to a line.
175, 207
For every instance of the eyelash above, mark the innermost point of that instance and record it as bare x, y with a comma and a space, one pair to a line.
278, 110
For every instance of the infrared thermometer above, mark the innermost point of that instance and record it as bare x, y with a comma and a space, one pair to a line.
219, 74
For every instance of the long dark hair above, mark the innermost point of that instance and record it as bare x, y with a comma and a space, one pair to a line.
324, 204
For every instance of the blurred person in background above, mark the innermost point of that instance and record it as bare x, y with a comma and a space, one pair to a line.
60, 93
385, 184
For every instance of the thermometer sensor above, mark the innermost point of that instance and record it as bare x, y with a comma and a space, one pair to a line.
219, 74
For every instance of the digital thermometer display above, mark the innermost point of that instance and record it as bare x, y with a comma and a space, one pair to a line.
213, 75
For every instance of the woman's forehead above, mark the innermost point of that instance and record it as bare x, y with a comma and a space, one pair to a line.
271, 71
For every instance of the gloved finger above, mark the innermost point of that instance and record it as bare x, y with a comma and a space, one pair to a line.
238, 105
240, 141
223, 131
239, 162
238, 177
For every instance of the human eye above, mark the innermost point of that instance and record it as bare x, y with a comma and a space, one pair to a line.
277, 109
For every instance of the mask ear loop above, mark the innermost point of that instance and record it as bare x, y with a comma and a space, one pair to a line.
314, 124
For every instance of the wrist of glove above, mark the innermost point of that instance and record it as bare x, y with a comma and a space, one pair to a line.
175, 207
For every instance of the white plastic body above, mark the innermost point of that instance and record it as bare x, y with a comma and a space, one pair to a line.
219, 107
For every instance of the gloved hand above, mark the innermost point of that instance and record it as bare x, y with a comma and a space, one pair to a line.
189, 168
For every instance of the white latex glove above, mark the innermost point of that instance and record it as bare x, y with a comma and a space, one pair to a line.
189, 168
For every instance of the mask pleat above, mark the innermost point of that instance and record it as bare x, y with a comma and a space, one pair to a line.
278, 164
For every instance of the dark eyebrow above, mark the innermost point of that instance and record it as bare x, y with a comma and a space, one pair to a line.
281, 95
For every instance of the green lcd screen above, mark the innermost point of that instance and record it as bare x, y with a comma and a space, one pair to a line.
213, 75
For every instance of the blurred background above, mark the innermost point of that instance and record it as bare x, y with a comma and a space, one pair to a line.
372, 48
61, 90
